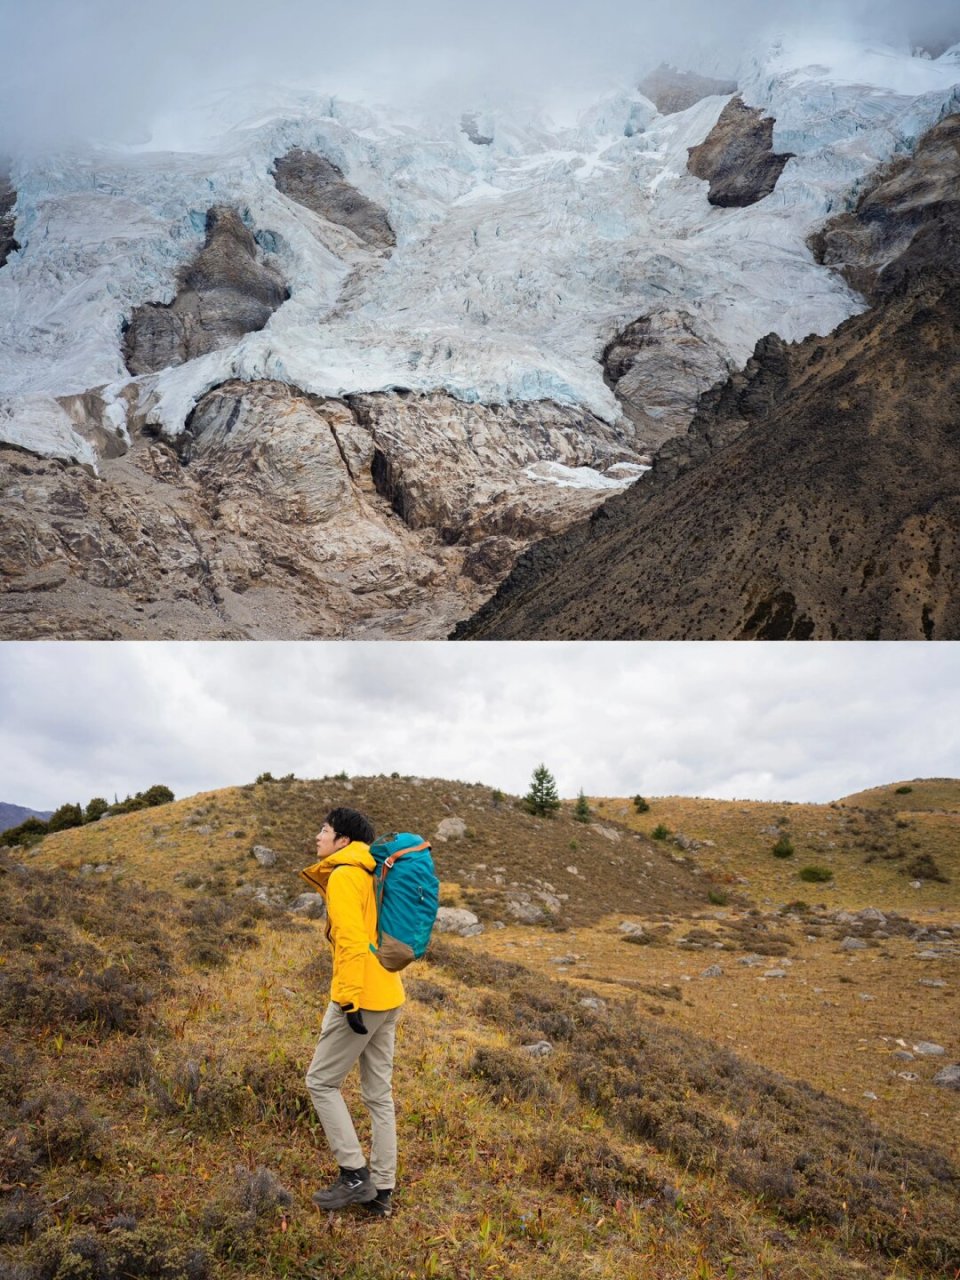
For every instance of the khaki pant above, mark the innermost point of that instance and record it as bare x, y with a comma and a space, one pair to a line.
337, 1050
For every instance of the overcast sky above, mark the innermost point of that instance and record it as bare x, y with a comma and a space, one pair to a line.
108, 66
782, 722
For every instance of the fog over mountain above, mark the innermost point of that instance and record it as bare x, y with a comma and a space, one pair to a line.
78, 67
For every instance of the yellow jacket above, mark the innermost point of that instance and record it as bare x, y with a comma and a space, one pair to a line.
359, 979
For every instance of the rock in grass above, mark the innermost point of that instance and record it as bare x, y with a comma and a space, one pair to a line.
539, 1049
310, 905
949, 1077
458, 921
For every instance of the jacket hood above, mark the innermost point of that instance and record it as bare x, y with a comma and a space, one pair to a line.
355, 854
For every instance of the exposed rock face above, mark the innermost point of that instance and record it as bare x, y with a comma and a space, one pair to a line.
8, 199
318, 184
737, 157
287, 516
468, 123
657, 367
225, 292
816, 495
914, 192
671, 90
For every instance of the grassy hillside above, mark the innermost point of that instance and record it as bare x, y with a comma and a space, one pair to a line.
159, 1022
937, 795
876, 851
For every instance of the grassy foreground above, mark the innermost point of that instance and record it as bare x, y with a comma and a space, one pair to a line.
157, 1025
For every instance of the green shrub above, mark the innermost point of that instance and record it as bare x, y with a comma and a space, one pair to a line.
95, 809
903, 791
783, 848
68, 815
640, 804
924, 867
659, 832
816, 875
718, 897
30, 831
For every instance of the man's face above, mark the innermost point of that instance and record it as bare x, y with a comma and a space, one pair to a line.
328, 841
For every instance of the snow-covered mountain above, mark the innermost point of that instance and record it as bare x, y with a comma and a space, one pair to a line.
486, 321
518, 256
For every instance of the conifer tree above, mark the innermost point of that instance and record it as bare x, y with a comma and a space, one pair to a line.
542, 799
582, 810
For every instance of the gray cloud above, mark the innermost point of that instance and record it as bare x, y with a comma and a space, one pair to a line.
106, 67
732, 721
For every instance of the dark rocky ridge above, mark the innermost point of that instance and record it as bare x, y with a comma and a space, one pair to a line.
468, 125
737, 157
225, 292
8, 200
316, 183
909, 195
817, 493
671, 90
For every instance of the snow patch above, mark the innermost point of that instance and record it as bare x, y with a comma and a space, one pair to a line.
620, 476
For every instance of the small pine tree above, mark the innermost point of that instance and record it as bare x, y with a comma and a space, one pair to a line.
542, 799
640, 804
582, 810
660, 832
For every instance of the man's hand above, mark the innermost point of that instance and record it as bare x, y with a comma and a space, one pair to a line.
354, 1019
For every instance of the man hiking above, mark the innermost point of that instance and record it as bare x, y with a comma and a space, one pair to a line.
361, 1021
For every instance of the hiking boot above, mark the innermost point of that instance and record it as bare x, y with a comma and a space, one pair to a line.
354, 1186
381, 1206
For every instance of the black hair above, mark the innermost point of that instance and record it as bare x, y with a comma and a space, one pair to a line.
352, 824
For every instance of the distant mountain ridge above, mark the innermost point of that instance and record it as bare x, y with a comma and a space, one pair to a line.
11, 815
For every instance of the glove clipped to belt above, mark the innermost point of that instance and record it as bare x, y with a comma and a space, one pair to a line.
354, 1019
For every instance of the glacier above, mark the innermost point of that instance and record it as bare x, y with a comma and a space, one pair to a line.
516, 260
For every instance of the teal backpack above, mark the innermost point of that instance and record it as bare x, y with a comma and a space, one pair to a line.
408, 894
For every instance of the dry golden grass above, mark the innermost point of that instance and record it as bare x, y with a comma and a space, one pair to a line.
181, 1078
869, 851
933, 794
835, 1020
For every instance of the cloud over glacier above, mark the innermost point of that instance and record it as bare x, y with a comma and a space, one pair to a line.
107, 68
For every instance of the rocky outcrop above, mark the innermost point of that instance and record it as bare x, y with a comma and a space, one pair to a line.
316, 183
816, 495
225, 292
282, 515
657, 367
8, 200
671, 90
912, 195
737, 157
468, 125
